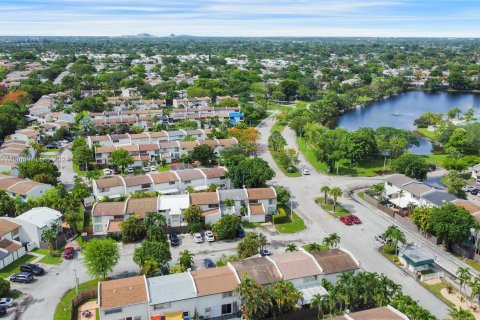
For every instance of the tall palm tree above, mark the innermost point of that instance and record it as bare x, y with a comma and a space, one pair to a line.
38, 149
186, 259
464, 276
320, 302
475, 287
291, 248
325, 190
396, 235
332, 240
50, 235
335, 192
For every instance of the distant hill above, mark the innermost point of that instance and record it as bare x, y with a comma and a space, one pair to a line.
140, 35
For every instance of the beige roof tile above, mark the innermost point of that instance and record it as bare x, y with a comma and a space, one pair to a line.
122, 292
214, 281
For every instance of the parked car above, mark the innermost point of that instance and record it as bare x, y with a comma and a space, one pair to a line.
305, 172
197, 237
24, 277
107, 172
209, 236
129, 170
208, 263
240, 232
3, 312
382, 240
474, 191
146, 169
354, 219
153, 168
174, 239
346, 221
32, 268
265, 252
7, 302
68, 253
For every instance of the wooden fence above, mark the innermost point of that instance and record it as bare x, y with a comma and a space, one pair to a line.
79, 299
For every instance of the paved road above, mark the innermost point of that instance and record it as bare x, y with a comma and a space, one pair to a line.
359, 239
65, 166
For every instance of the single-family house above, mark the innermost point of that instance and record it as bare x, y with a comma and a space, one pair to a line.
415, 259
436, 198
24, 188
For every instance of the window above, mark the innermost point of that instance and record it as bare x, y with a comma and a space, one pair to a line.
226, 309
137, 318
186, 314
14, 232
96, 219
270, 201
97, 228
227, 294
187, 181
146, 186
114, 310
162, 306
171, 182
105, 190
208, 310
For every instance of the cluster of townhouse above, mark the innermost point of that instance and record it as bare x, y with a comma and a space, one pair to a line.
210, 293
11, 153
150, 147
24, 232
403, 192
23, 188
165, 182
252, 204
204, 115
138, 117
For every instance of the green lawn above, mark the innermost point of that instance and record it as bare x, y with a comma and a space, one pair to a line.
427, 134
364, 168
361, 194
436, 159
284, 170
435, 289
77, 170
62, 312
339, 210
14, 267
284, 224
277, 127
472, 263
48, 259
161, 169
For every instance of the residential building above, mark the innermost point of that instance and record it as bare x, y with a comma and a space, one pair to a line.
380, 313
10, 247
415, 259
23, 188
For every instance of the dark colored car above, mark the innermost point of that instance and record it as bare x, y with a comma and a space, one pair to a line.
346, 221
68, 253
474, 191
265, 252
240, 232
32, 268
208, 263
24, 277
354, 219
432, 167
174, 239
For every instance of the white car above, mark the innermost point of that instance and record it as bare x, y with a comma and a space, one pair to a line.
209, 236
130, 170
305, 172
153, 168
7, 302
197, 237
146, 169
107, 172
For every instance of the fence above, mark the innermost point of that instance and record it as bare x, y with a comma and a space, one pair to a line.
374, 202
59, 242
79, 299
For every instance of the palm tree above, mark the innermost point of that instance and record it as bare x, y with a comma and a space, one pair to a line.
460, 314
186, 259
335, 192
262, 241
291, 248
38, 149
313, 247
464, 276
332, 240
320, 302
325, 190
396, 235
475, 287
50, 235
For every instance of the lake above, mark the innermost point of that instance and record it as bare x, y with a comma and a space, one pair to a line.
400, 112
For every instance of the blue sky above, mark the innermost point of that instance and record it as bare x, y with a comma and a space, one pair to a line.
429, 18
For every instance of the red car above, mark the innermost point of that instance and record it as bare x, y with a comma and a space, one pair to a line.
68, 253
346, 221
354, 219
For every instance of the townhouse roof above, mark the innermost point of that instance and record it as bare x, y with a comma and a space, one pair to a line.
174, 203
468, 205
119, 136
106, 149
163, 177
212, 143
148, 147
298, 264
142, 135
227, 142
417, 188
7, 182
182, 282
261, 193
136, 180
207, 213
204, 198
40, 216
194, 132
168, 145
141, 207
176, 133
114, 181
257, 209
9, 245
22, 188
335, 261
99, 138
188, 145
7, 226
233, 194
158, 134
399, 180
122, 292
216, 172
129, 148
439, 197
114, 226
381, 313
214, 281
259, 269
108, 208
190, 174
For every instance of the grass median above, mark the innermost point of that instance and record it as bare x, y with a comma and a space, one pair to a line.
288, 222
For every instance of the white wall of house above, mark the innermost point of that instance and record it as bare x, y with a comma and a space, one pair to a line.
166, 186
100, 193
11, 257
28, 232
136, 311
192, 183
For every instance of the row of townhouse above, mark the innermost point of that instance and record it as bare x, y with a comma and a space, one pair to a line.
169, 151
24, 232
165, 182
35, 133
205, 115
210, 293
110, 140
122, 113
191, 102
11, 153
23, 188
258, 203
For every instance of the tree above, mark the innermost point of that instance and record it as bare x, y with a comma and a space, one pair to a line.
455, 184
329, 148
132, 229
80, 191
289, 88
411, 165
186, 259
7, 205
277, 141
320, 302
455, 112
459, 141
283, 195
150, 268
250, 245
421, 217
360, 144
256, 300
74, 220
464, 277
335, 192
203, 153
284, 296
396, 235
41, 171
38, 149
154, 224
192, 214
251, 173
120, 158
313, 247
291, 248
326, 191
451, 223
226, 226
50, 235
331, 241
100, 256
82, 155
4, 287
460, 314
152, 251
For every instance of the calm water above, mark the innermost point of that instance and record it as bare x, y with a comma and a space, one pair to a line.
400, 112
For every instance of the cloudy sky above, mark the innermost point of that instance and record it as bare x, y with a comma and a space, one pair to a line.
454, 18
